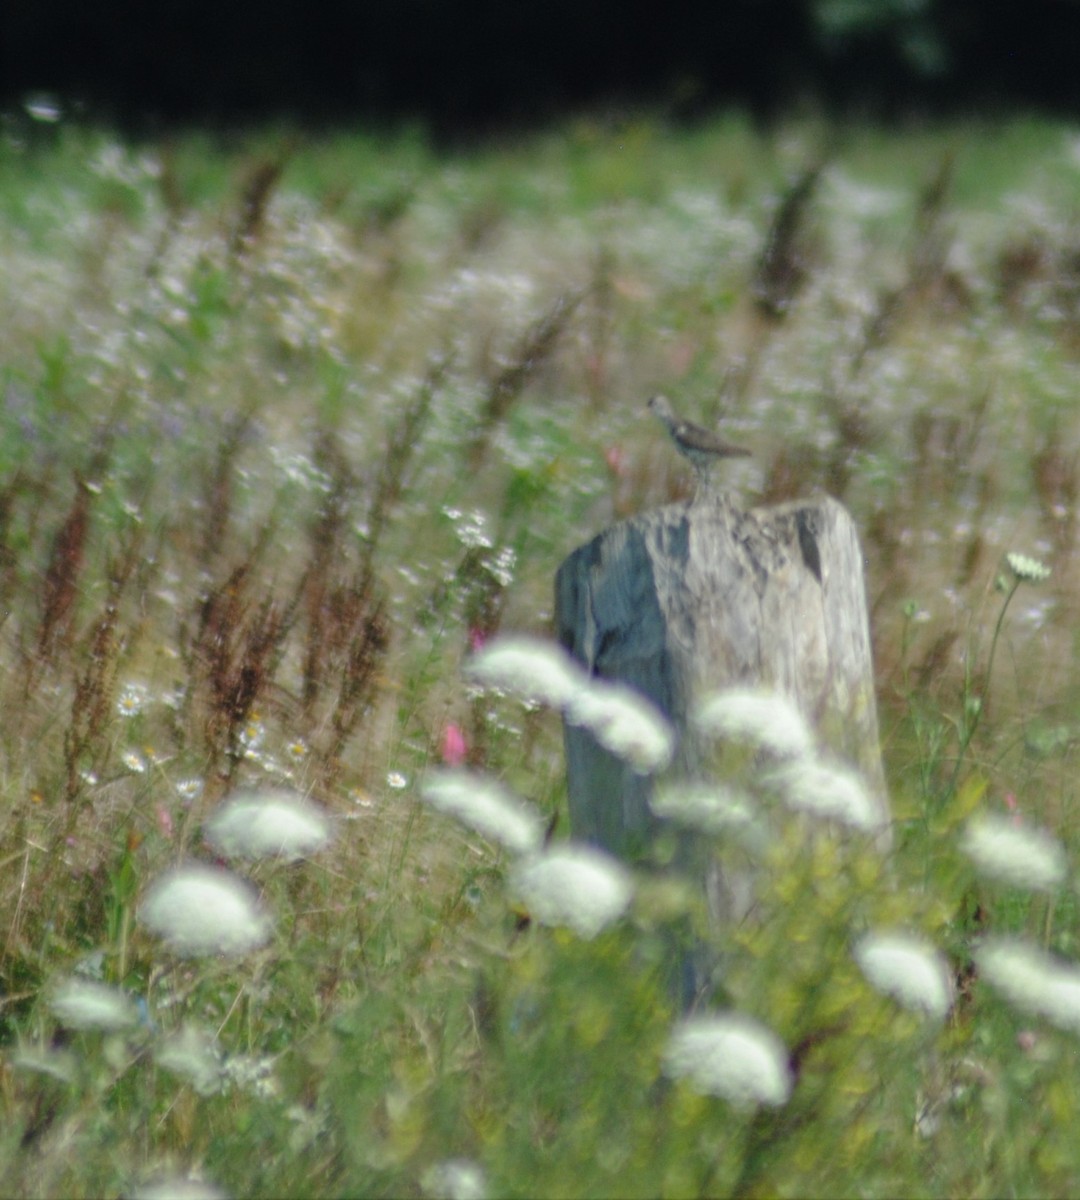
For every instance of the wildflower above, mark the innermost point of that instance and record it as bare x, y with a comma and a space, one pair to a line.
296, 750
531, 669
199, 910
731, 1056
762, 719
194, 1054
1026, 569
178, 1189
707, 807
189, 789
454, 1179
573, 886
132, 700
908, 970
85, 1004
134, 762
486, 807
267, 824
454, 746
397, 780
625, 723
1017, 855
828, 791
1032, 981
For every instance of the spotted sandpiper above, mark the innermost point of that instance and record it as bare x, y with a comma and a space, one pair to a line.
700, 447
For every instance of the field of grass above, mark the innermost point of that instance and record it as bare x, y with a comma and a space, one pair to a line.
290, 426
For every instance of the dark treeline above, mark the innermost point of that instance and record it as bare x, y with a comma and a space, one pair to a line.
463, 63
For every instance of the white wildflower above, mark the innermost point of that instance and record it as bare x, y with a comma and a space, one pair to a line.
178, 1189
267, 824
132, 699
624, 722
573, 886
707, 807
84, 1004
763, 719
1017, 855
454, 1179
134, 762
57, 1064
1032, 980
201, 910
483, 805
531, 669
194, 1054
732, 1056
1027, 569
909, 970
826, 790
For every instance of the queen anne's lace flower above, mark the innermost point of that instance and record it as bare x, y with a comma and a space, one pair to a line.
1017, 855
760, 718
483, 805
267, 824
199, 910
1032, 980
732, 1056
907, 969
573, 886
531, 669
86, 1004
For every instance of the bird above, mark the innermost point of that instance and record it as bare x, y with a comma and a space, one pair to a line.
698, 446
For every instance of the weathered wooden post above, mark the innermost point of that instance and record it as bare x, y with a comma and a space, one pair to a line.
685, 600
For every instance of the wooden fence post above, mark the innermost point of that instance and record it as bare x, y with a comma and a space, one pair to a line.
685, 600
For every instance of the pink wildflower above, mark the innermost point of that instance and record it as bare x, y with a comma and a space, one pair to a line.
454, 747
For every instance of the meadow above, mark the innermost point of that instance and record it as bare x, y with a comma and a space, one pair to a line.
293, 426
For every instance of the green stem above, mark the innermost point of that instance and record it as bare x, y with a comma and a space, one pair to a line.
973, 724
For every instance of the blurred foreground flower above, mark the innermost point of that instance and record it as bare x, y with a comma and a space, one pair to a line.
731, 1056
763, 719
909, 970
828, 791
483, 805
574, 887
85, 1004
1032, 980
625, 723
1014, 854
706, 807
531, 669
267, 824
193, 1054
199, 910
178, 1189
454, 1179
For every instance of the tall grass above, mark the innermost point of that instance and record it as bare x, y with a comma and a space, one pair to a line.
292, 427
